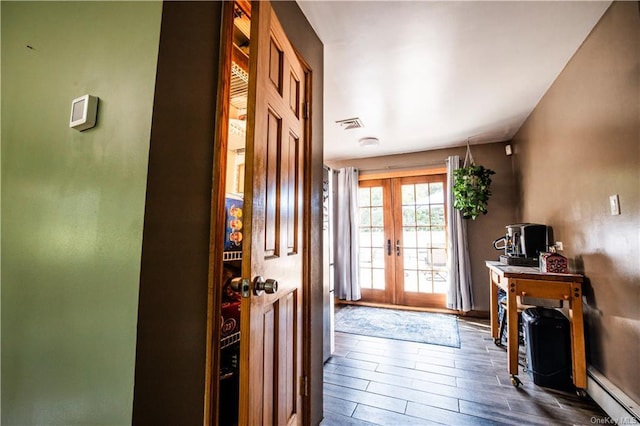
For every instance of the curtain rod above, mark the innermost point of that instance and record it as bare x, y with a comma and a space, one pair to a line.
421, 165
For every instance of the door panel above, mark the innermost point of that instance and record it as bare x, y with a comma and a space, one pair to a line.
287, 377
268, 363
292, 183
271, 343
272, 217
377, 264
421, 241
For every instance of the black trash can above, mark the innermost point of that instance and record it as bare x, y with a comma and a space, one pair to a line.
548, 345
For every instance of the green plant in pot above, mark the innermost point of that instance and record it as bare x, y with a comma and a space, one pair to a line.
471, 189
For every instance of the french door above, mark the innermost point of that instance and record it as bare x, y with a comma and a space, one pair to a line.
403, 243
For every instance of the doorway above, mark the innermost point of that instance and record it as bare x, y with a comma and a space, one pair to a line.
259, 275
403, 240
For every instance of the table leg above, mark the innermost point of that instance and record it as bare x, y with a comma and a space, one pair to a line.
512, 325
493, 291
577, 338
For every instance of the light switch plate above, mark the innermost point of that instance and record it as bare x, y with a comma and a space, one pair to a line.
614, 203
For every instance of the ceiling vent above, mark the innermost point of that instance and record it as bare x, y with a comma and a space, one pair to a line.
350, 123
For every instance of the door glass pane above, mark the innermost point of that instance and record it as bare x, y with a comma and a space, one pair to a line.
409, 237
377, 216
438, 237
439, 258
365, 217
422, 215
376, 196
410, 280
408, 196
365, 277
365, 258
424, 237
408, 215
425, 284
366, 270
364, 197
372, 238
377, 281
365, 237
440, 282
377, 258
377, 237
436, 193
410, 259
422, 193
423, 259
437, 215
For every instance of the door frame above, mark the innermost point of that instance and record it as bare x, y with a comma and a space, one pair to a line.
217, 232
394, 295
307, 237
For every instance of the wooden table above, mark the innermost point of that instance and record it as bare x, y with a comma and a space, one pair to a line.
528, 281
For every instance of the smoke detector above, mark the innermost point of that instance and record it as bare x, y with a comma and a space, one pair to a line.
350, 123
369, 141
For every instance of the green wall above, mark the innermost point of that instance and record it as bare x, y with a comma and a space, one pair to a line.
73, 206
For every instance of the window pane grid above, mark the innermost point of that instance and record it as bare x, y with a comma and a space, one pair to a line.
372, 242
424, 238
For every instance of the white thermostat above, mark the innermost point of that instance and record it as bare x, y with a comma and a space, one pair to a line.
83, 112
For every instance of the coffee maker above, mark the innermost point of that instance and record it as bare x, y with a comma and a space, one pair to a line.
522, 244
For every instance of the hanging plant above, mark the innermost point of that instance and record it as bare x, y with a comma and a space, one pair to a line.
471, 188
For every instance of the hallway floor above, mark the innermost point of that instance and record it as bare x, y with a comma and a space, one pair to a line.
378, 381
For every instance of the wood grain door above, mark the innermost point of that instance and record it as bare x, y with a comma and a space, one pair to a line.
420, 240
273, 252
377, 247
402, 232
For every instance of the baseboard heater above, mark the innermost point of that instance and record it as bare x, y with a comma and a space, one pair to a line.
620, 408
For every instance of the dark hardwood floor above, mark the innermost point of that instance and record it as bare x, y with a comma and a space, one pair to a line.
378, 381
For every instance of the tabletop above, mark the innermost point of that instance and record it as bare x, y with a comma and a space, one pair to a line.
530, 272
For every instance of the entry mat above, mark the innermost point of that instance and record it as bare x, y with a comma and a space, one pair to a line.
422, 327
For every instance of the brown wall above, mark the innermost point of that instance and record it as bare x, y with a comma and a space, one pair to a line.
483, 230
172, 313
172, 316
579, 146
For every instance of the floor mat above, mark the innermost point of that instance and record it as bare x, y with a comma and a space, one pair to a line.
423, 327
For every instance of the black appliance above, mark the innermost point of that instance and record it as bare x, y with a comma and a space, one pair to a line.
522, 244
548, 346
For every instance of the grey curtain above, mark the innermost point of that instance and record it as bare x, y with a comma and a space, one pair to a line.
345, 236
460, 294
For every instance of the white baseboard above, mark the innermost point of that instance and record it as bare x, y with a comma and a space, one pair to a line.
618, 406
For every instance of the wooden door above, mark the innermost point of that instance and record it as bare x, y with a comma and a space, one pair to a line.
377, 259
271, 320
403, 240
420, 240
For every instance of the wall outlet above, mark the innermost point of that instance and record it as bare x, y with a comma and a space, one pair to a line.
559, 246
614, 204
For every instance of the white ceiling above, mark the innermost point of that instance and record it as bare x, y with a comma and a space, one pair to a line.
424, 75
